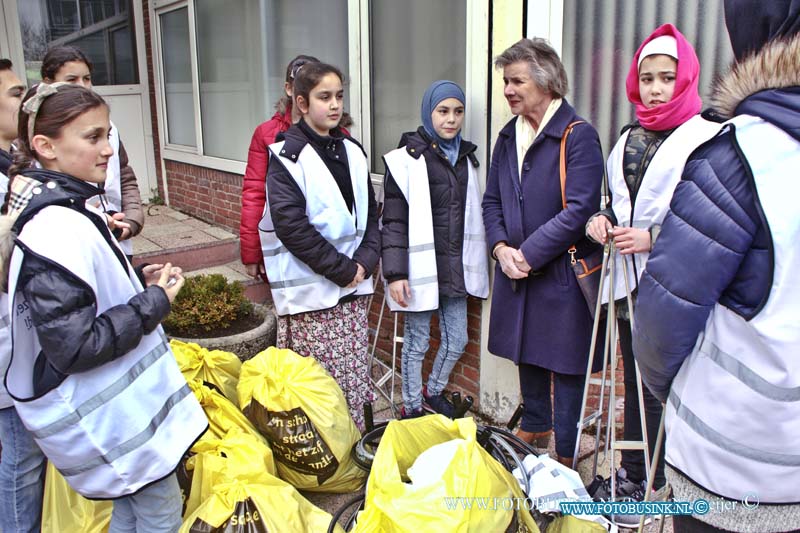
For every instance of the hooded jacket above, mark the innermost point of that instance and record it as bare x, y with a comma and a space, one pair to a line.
448, 189
91, 373
288, 214
716, 252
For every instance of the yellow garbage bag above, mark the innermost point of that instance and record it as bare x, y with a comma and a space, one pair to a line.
219, 368
474, 493
573, 524
66, 511
257, 504
301, 410
237, 455
222, 414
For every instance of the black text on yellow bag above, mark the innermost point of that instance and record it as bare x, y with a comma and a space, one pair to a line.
295, 441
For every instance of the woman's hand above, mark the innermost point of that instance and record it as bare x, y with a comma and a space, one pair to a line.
400, 292
170, 279
512, 262
255, 270
631, 240
360, 274
598, 229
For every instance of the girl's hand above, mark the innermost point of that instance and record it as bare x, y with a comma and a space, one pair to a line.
152, 273
360, 274
512, 262
171, 283
255, 270
598, 228
400, 292
631, 240
115, 221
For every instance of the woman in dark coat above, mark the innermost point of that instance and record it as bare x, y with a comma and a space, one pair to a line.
539, 318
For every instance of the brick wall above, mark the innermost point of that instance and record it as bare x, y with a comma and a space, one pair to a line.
210, 195
465, 376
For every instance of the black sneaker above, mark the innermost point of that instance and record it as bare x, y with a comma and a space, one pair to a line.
439, 404
416, 413
626, 491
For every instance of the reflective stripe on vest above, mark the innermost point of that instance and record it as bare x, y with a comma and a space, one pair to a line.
422, 274
655, 192
734, 405
294, 286
5, 349
113, 429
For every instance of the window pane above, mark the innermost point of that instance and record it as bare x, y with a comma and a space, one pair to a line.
49, 23
177, 77
413, 43
600, 38
124, 66
243, 47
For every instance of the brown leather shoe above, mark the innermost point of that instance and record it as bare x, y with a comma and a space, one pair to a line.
540, 439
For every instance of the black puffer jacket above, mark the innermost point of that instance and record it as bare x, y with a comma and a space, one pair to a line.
448, 187
288, 210
63, 307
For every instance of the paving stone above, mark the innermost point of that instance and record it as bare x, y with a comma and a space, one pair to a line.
219, 233
142, 245
181, 239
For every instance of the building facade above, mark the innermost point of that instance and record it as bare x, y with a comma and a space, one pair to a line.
189, 80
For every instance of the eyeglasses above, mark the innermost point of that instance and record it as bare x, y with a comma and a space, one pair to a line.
296, 66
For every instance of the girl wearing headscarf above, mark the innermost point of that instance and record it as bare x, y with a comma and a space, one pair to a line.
643, 170
435, 259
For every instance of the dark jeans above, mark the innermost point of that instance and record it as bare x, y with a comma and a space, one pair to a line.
633, 461
540, 412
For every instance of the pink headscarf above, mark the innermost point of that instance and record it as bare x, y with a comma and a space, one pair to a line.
685, 101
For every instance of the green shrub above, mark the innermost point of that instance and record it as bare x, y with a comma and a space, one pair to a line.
206, 303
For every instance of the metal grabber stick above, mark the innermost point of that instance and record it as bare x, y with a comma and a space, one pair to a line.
610, 359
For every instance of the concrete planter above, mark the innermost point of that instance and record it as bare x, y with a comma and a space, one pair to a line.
247, 344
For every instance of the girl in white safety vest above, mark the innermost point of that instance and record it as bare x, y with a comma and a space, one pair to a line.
643, 170
91, 373
121, 196
434, 243
320, 237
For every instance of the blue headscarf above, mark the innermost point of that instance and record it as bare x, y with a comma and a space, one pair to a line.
438, 91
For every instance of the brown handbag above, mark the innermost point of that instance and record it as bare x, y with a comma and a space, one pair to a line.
587, 269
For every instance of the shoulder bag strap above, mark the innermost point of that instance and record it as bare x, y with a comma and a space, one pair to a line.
562, 168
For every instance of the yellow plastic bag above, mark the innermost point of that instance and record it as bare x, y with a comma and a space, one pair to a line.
222, 414
573, 524
473, 494
66, 511
258, 504
237, 455
301, 410
219, 368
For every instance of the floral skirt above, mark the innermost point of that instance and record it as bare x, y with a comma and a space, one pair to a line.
339, 339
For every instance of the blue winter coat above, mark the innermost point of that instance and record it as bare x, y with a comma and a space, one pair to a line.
545, 321
714, 245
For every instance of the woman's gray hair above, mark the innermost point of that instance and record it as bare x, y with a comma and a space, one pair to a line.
545, 66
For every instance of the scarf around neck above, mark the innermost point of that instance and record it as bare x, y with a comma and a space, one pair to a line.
686, 101
438, 91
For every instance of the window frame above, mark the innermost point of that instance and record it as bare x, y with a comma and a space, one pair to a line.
358, 86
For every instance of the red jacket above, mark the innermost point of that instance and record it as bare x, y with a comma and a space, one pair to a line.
254, 187
254, 195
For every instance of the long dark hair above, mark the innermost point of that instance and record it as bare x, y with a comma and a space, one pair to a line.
56, 57
292, 69
56, 111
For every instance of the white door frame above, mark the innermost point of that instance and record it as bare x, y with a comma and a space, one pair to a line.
11, 47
